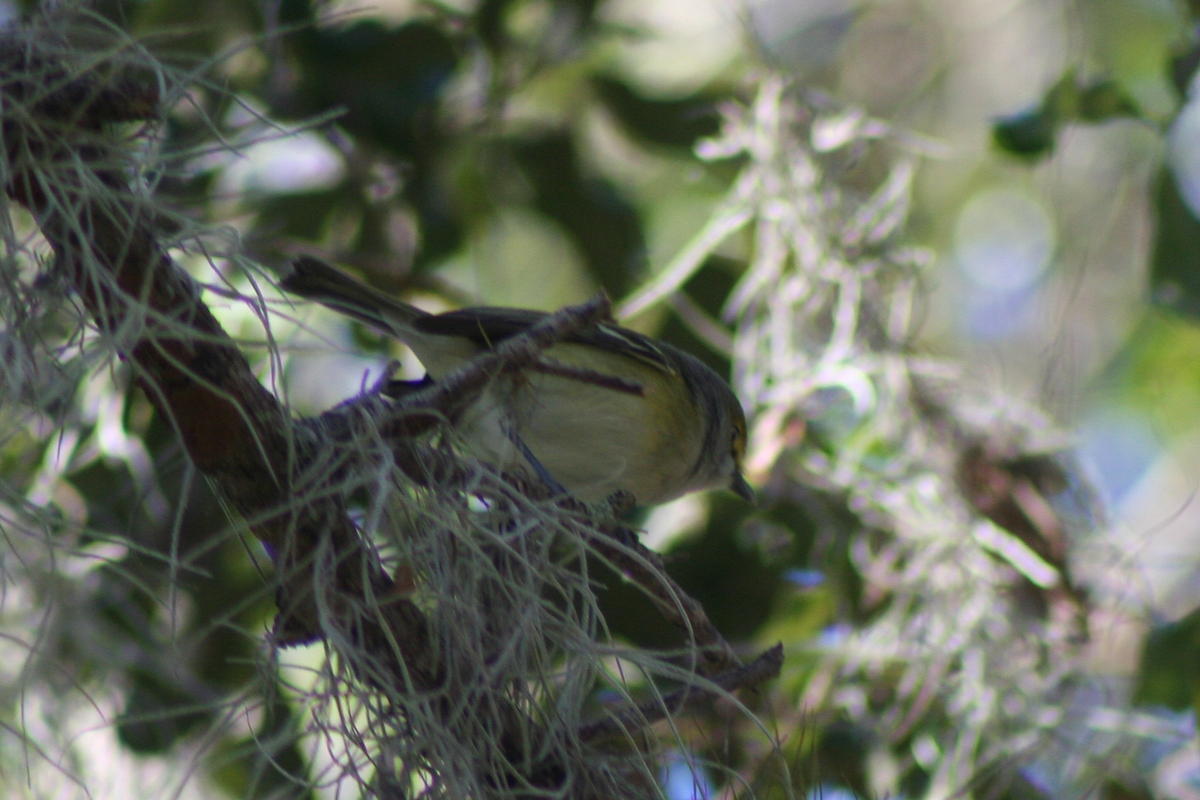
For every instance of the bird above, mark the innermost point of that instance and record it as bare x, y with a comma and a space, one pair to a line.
656, 423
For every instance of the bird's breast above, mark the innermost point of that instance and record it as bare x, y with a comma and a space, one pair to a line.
596, 440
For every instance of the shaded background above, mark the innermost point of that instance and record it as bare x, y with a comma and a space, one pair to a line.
533, 152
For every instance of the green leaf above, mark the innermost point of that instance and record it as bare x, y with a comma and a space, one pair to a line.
1031, 133
1169, 674
672, 123
1175, 263
157, 715
1104, 101
595, 214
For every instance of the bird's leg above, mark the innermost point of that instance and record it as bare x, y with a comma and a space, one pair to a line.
556, 488
396, 388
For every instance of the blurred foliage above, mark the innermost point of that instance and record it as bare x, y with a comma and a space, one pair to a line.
445, 120
1032, 134
1160, 372
1169, 674
1176, 261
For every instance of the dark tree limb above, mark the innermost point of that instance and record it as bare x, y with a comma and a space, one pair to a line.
641, 716
75, 181
74, 177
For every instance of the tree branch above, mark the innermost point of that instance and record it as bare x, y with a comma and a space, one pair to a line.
72, 175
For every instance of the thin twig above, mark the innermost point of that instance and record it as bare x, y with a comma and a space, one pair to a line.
463, 384
549, 366
643, 715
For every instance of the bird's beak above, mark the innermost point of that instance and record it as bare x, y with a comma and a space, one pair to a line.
742, 489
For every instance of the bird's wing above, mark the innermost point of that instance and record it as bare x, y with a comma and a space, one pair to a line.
488, 326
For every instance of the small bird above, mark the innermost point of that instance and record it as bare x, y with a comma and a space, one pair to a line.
679, 429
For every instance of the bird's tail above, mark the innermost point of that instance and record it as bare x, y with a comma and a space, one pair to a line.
313, 279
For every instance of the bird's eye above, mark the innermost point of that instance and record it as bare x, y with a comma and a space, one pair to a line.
738, 445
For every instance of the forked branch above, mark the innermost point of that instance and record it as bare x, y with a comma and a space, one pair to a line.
62, 164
